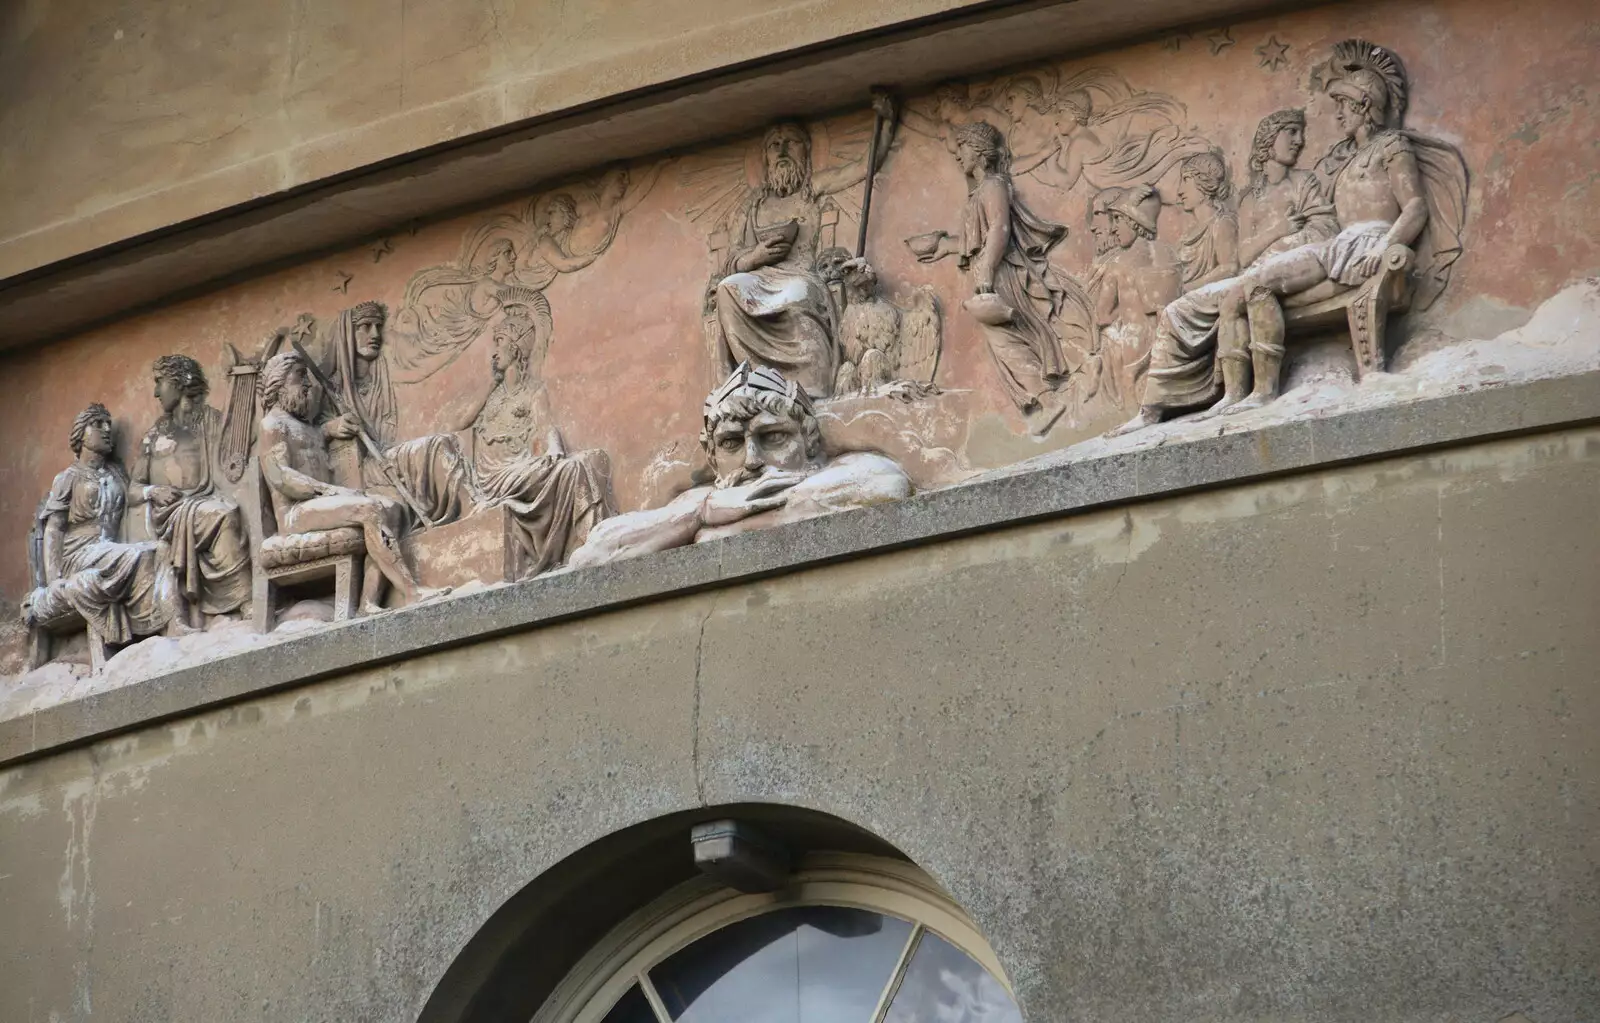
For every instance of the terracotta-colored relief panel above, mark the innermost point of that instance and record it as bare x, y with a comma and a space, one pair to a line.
1123, 185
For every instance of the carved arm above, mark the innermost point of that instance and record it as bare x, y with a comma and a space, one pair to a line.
643, 532
995, 240
55, 527
280, 476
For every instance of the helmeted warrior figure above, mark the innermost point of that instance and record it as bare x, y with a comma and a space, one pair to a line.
1389, 186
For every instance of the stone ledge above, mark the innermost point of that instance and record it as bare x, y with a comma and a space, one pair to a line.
1048, 487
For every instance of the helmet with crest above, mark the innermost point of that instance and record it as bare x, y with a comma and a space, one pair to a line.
1363, 71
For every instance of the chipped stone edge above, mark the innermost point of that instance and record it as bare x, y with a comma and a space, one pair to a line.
1008, 498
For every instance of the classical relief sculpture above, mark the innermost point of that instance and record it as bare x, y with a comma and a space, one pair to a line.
880, 344
427, 473
174, 476
771, 307
1284, 207
1209, 249
1387, 186
447, 307
298, 471
1018, 297
122, 591
761, 437
555, 496
1095, 128
1136, 277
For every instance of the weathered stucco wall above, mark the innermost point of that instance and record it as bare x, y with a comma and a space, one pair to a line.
1320, 748
121, 118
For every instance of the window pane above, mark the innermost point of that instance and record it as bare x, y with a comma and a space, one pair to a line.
945, 985
810, 964
631, 1008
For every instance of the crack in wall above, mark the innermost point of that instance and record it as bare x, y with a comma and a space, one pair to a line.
694, 720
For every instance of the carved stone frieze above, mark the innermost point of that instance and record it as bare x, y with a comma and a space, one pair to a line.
405, 413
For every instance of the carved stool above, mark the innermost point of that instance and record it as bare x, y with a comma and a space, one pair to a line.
41, 640
41, 637
289, 559
293, 558
1365, 309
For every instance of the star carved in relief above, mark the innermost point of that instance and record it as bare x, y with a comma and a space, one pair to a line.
383, 247
1220, 40
343, 287
1174, 43
1273, 54
303, 328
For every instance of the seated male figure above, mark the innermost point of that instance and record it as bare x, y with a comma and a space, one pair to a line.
294, 460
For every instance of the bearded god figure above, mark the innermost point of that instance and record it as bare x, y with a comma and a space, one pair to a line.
761, 437
772, 306
299, 473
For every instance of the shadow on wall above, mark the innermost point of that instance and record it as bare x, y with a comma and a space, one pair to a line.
524, 950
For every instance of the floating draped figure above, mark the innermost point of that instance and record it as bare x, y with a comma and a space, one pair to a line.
1019, 298
174, 477
555, 496
1389, 185
448, 307
122, 590
432, 467
1104, 132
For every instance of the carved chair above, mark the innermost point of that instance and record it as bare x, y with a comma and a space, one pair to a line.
41, 637
1365, 309
290, 559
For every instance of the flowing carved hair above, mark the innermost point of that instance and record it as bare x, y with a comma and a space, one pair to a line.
1266, 134
95, 413
1209, 172
185, 372
985, 140
274, 375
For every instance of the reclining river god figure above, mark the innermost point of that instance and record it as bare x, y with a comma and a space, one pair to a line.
761, 437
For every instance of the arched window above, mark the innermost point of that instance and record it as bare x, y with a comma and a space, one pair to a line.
854, 939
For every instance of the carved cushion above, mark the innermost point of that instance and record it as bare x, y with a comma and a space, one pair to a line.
288, 549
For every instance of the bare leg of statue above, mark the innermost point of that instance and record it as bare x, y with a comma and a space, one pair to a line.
1266, 348
379, 521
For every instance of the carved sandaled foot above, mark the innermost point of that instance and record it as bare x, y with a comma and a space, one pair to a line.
1146, 417
1220, 408
1255, 401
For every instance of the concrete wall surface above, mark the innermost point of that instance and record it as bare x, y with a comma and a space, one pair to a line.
1314, 748
125, 117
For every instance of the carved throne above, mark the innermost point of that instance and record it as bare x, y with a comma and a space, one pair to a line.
1364, 308
292, 559
41, 637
